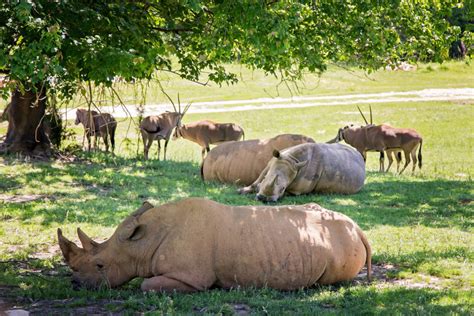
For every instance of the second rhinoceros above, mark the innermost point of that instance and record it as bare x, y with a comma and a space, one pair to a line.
242, 162
195, 244
305, 168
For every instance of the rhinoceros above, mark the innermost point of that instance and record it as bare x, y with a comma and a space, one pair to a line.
195, 244
305, 168
242, 162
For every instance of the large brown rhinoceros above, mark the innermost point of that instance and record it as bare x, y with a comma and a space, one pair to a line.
194, 244
305, 168
242, 162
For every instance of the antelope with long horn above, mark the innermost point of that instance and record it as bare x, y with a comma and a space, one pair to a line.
159, 127
383, 138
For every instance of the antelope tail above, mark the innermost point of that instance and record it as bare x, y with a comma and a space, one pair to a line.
419, 154
112, 137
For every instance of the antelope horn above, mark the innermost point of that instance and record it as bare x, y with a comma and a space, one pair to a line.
363, 116
370, 107
187, 108
166, 94
179, 104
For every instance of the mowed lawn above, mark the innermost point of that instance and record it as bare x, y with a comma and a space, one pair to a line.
420, 226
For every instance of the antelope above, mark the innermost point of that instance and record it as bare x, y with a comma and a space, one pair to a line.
158, 127
206, 133
383, 138
97, 125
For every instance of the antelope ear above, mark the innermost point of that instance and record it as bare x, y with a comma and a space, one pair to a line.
276, 153
87, 243
68, 248
132, 231
301, 164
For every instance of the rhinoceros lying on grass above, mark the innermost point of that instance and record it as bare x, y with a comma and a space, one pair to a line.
242, 162
305, 168
194, 244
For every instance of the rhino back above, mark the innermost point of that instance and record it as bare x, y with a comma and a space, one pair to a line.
331, 168
285, 247
237, 162
342, 169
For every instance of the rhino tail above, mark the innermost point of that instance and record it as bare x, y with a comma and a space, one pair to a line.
202, 171
368, 251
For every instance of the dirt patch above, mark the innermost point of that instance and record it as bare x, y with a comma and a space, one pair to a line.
21, 198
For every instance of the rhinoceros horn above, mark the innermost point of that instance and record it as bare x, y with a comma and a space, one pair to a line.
87, 243
68, 248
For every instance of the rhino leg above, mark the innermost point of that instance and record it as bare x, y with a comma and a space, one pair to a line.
164, 284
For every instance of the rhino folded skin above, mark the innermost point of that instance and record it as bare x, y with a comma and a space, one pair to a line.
241, 162
195, 244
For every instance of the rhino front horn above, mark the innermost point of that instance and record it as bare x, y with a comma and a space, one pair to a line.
86, 241
68, 248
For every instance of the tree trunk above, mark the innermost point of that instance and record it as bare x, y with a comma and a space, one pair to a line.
26, 132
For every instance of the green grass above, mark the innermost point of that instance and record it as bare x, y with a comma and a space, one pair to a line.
420, 226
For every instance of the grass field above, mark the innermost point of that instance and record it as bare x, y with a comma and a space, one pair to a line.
420, 226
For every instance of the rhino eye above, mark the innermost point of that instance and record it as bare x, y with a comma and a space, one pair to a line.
99, 266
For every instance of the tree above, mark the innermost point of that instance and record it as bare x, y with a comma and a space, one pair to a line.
52, 47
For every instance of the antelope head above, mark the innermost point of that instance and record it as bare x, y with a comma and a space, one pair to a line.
179, 114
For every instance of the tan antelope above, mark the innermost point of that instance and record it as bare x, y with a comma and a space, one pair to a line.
97, 125
158, 127
206, 133
383, 138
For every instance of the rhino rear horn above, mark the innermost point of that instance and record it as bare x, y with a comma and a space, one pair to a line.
87, 243
68, 248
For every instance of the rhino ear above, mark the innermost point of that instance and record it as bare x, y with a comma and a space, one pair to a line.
87, 243
276, 153
132, 231
145, 207
68, 248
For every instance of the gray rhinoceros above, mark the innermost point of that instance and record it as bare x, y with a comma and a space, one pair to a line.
194, 244
242, 162
306, 168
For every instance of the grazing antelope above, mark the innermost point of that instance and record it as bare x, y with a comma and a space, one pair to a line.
158, 127
383, 138
97, 125
206, 133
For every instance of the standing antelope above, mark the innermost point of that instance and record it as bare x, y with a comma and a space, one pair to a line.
383, 138
97, 125
206, 133
158, 127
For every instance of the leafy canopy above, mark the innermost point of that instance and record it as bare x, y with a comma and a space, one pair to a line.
62, 43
